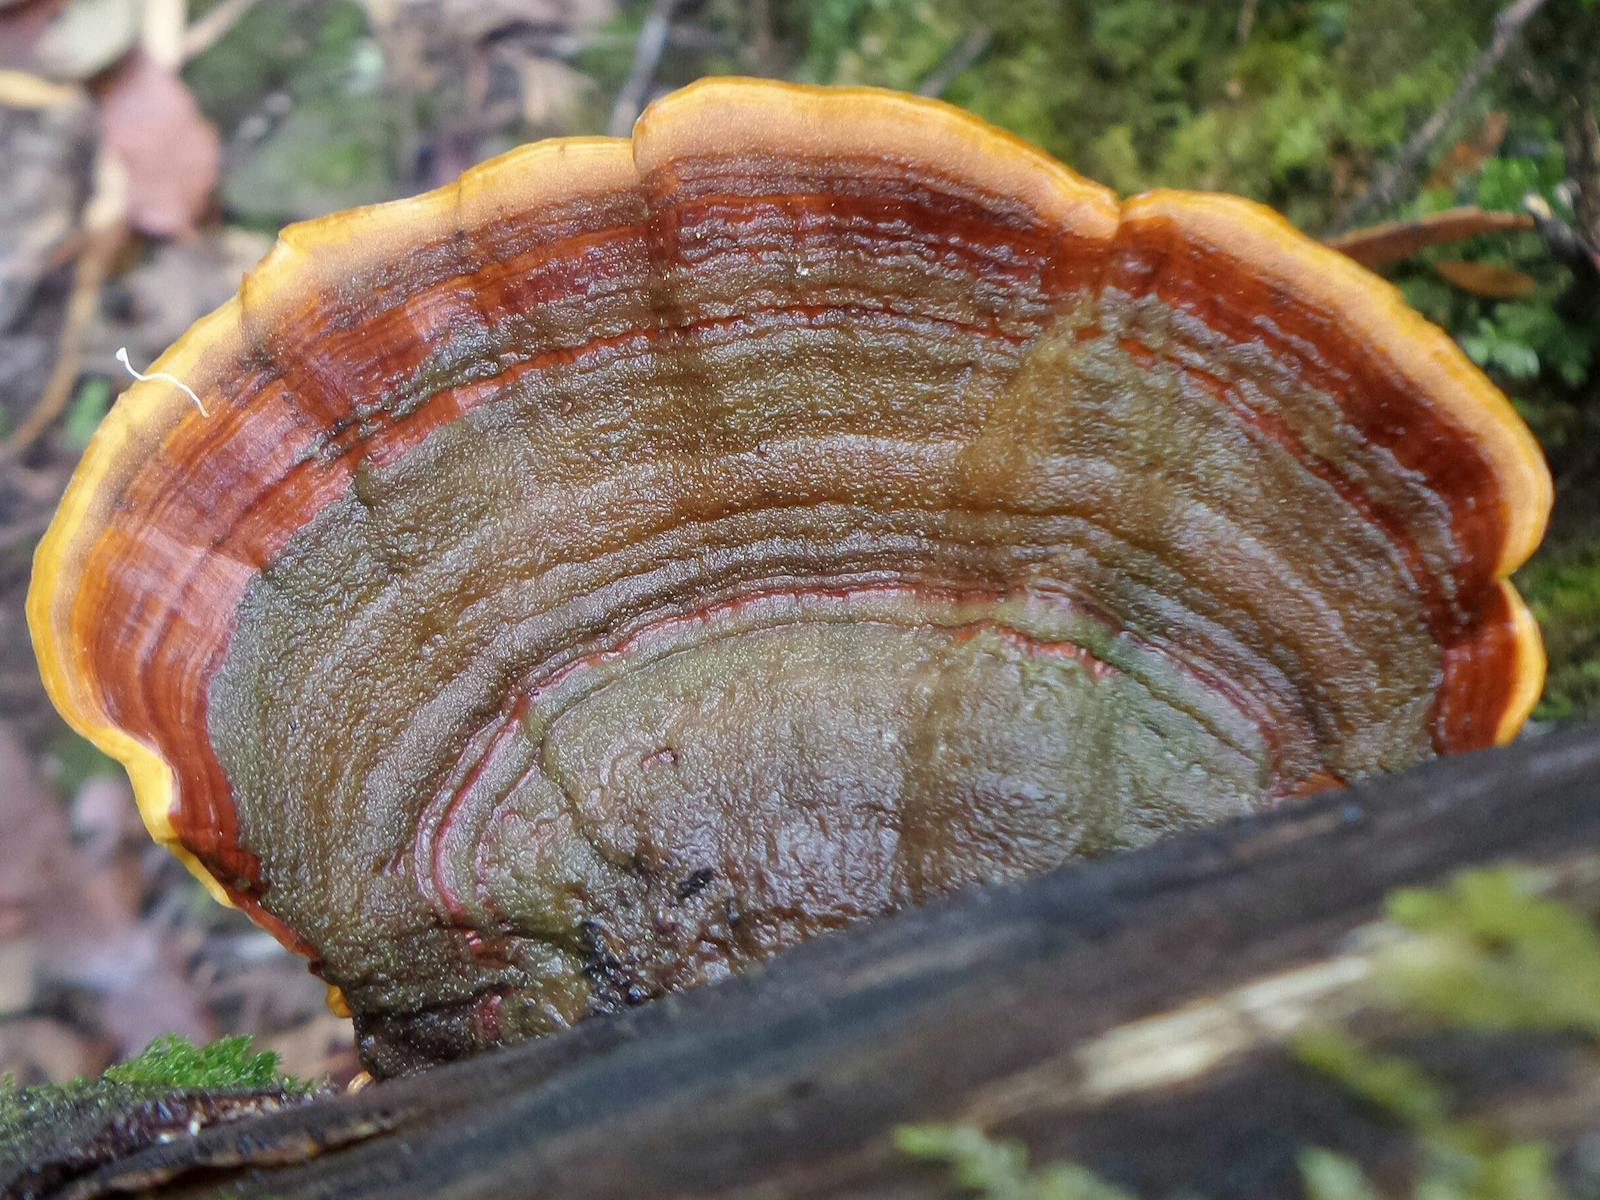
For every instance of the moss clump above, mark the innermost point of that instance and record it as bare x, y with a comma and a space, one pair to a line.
999, 1170
51, 1132
1520, 1172
1330, 1176
1395, 1085
1458, 1160
175, 1062
1142, 93
1562, 585
1494, 955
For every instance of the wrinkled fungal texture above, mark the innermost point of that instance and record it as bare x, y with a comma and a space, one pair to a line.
607, 588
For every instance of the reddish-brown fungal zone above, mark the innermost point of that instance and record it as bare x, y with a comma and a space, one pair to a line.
1492, 666
801, 398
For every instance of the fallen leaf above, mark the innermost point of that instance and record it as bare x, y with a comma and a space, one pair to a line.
1466, 156
43, 1050
1394, 241
151, 125
319, 1047
78, 921
18, 971
1498, 283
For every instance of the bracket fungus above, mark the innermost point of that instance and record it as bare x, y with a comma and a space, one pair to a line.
642, 554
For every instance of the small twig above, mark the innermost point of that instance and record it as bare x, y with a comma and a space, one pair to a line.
761, 35
646, 57
213, 27
1387, 188
1247, 21
104, 232
161, 32
19, 89
1565, 244
88, 277
962, 55
1585, 160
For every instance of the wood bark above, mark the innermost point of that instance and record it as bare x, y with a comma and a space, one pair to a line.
1128, 1015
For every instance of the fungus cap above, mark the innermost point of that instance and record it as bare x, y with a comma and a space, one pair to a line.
639, 555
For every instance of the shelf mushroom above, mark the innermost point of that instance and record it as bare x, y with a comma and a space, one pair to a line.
600, 573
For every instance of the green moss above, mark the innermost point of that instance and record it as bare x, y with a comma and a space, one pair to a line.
999, 1170
64, 1122
175, 1062
169, 1063
1518, 1172
1282, 116
1459, 1160
89, 406
1395, 1085
336, 141
329, 152
1329, 1176
1562, 586
1301, 113
307, 48
1494, 955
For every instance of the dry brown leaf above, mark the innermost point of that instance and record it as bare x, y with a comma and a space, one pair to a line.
1395, 241
74, 922
318, 1047
1466, 156
171, 153
42, 1050
1498, 283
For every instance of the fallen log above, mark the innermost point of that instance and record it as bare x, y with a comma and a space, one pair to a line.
1129, 1015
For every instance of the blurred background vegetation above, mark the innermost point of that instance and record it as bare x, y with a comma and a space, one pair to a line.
153, 147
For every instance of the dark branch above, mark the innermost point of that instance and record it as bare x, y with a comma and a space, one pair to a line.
1396, 179
646, 58
961, 56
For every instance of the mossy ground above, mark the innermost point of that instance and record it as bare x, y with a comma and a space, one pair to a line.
172, 1084
1562, 585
